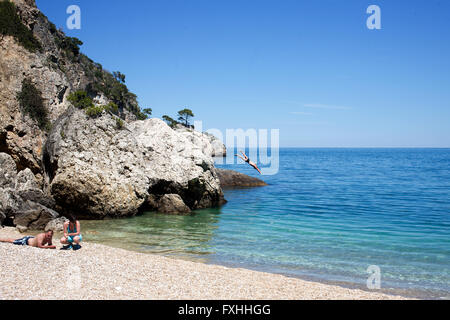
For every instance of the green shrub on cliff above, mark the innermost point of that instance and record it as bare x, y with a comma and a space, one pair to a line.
70, 45
147, 111
94, 111
183, 117
171, 122
104, 82
141, 116
98, 73
11, 25
31, 102
119, 76
119, 123
80, 99
112, 107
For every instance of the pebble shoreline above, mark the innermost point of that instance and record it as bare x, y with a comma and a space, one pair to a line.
101, 272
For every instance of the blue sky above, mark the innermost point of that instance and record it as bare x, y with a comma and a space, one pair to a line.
309, 68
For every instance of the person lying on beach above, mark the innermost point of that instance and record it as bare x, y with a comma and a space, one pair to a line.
247, 159
42, 240
72, 234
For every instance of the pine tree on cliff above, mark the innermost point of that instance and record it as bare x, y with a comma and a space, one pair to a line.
184, 115
147, 111
119, 76
170, 122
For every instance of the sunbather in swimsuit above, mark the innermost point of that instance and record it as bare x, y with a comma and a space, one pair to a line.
42, 240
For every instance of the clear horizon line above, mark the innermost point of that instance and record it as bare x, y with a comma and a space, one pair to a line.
300, 147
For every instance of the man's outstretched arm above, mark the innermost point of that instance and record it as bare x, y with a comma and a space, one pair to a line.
40, 246
43, 245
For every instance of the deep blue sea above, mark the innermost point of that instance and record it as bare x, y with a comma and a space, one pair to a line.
326, 216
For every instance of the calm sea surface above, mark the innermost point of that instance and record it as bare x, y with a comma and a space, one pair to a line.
327, 216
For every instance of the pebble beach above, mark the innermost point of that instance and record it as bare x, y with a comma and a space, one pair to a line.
101, 272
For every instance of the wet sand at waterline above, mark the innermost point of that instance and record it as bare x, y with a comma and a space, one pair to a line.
101, 272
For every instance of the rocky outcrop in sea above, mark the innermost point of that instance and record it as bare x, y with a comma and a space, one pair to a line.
108, 164
231, 179
98, 170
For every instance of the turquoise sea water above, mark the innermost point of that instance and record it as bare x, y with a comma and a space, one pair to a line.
326, 216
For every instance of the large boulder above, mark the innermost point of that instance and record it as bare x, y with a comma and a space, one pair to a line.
97, 169
22, 203
233, 179
168, 203
8, 171
34, 218
56, 225
10, 202
25, 180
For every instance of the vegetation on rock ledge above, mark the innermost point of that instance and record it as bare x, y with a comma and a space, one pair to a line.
95, 111
99, 80
30, 99
11, 25
183, 117
70, 45
80, 99
119, 123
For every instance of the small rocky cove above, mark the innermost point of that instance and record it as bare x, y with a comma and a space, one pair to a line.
88, 166
94, 170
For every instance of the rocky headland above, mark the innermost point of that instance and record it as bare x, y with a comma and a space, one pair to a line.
96, 169
73, 139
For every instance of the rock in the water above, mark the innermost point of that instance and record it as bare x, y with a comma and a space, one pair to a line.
233, 179
168, 203
97, 170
